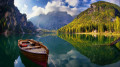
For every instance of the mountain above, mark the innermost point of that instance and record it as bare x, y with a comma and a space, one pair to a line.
52, 21
12, 21
100, 17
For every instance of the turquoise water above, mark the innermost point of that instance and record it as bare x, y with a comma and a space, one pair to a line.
65, 51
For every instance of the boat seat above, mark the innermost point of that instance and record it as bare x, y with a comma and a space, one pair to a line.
41, 50
30, 47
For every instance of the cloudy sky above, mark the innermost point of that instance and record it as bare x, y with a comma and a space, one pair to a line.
73, 7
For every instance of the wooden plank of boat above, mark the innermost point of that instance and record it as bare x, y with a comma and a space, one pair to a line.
34, 50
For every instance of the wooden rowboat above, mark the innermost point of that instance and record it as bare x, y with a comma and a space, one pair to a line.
34, 51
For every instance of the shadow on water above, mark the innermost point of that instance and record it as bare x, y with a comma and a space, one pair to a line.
91, 47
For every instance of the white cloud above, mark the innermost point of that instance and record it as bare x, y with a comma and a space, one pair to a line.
53, 6
85, 0
25, 6
56, 5
73, 2
114, 1
16, 3
36, 11
93, 1
73, 57
24, 9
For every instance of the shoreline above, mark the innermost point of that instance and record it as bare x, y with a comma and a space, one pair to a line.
104, 33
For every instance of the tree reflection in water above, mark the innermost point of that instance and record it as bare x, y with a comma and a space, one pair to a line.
94, 47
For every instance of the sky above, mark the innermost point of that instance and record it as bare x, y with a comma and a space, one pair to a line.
34, 8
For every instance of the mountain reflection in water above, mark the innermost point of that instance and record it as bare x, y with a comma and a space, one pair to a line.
65, 51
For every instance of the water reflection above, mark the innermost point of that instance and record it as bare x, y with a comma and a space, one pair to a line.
8, 51
94, 47
65, 51
58, 50
18, 62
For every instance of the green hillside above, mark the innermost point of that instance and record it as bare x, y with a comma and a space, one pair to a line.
101, 16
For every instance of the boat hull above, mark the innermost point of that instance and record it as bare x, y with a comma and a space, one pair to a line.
40, 59
37, 57
29, 63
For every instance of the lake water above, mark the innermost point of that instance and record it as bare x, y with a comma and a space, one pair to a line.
65, 51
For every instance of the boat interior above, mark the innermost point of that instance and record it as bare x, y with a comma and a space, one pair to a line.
32, 46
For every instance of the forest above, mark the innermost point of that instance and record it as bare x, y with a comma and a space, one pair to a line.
100, 17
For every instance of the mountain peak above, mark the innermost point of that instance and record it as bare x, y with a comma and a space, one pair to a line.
52, 21
104, 5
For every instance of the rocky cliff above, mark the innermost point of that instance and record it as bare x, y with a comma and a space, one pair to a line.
12, 21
